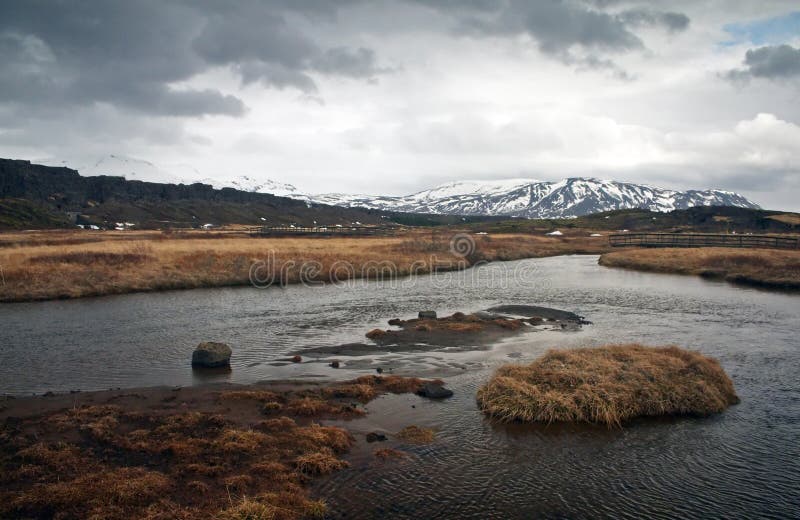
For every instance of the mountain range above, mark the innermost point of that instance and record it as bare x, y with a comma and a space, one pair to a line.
572, 197
529, 198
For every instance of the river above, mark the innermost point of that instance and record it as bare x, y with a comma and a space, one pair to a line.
741, 463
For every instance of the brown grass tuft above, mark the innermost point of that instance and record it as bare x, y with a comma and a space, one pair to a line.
417, 435
93, 493
255, 395
608, 385
313, 406
389, 454
319, 463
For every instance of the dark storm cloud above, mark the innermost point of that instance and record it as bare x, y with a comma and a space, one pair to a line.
131, 54
673, 22
264, 46
770, 62
559, 25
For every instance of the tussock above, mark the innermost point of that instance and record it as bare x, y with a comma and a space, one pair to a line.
608, 385
319, 463
417, 435
385, 454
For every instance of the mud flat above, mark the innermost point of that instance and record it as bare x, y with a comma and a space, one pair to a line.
457, 330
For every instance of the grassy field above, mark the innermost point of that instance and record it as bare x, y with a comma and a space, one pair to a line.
608, 385
71, 264
762, 267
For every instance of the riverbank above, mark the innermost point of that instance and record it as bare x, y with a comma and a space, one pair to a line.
190, 453
61, 265
769, 268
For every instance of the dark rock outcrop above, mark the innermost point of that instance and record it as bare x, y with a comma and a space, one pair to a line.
376, 437
434, 391
211, 354
103, 200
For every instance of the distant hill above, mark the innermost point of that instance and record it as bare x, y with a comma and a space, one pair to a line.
36, 196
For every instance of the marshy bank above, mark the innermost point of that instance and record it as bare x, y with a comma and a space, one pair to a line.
61, 265
768, 268
184, 453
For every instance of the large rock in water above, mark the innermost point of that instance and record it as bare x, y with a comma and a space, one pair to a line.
211, 354
434, 390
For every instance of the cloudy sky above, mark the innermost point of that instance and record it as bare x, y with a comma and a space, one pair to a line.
393, 96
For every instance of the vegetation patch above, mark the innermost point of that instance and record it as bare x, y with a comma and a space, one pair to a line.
448, 329
608, 385
417, 435
73, 264
385, 454
761, 267
203, 455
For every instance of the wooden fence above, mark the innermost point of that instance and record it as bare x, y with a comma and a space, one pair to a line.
321, 231
702, 240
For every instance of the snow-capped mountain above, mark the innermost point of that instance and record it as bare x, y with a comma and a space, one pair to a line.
140, 170
571, 197
133, 169
248, 183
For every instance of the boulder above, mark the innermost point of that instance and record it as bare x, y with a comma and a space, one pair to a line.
211, 354
434, 391
376, 437
427, 315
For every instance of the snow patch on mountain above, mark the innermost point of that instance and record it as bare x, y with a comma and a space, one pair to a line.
249, 183
571, 197
133, 170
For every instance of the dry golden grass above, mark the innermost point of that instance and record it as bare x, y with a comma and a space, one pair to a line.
787, 218
764, 267
385, 454
49, 265
222, 459
417, 435
608, 385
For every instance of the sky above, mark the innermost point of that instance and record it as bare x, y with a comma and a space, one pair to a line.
394, 96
